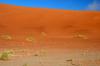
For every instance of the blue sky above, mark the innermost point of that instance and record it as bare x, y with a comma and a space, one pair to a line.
57, 4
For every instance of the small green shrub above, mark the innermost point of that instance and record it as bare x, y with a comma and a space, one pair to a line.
5, 55
25, 64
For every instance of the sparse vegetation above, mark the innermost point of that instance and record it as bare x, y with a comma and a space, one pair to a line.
5, 55
30, 38
6, 37
25, 64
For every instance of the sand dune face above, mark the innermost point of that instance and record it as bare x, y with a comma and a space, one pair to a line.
57, 28
49, 37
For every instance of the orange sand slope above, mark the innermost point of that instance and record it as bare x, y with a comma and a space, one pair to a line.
49, 27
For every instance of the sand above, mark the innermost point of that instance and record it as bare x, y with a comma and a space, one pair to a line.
61, 34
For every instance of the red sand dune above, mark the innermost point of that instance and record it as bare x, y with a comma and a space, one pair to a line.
51, 28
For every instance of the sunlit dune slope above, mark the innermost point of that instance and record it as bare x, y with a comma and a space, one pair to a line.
50, 28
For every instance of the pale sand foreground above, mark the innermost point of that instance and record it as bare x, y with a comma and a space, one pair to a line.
53, 57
